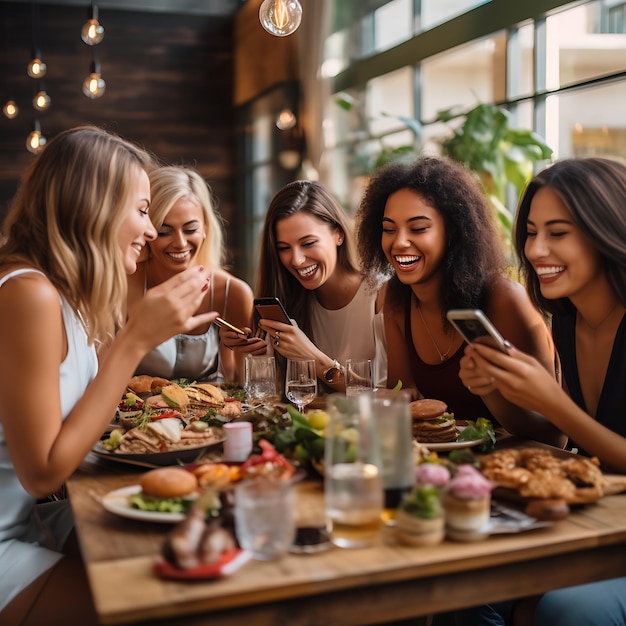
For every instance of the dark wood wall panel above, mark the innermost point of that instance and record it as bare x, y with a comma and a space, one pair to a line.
169, 88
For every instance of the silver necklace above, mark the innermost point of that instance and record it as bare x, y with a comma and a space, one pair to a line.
442, 355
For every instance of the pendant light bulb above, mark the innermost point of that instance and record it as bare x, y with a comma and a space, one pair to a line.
35, 140
36, 68
94, 86
92, 32
10, 109
286, 119
41, 101
280, 17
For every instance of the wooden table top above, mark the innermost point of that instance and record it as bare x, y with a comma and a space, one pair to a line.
341, 587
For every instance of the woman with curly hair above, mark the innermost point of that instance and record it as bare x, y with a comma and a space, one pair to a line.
428, 224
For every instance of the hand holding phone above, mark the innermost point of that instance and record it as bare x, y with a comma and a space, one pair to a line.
475, 326
271, 309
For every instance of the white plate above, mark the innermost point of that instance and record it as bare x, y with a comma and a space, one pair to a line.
454, 445
117, 502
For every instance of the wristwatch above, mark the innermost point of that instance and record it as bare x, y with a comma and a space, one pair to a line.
334, 373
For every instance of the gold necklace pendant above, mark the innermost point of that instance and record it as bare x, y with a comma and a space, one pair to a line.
442, 355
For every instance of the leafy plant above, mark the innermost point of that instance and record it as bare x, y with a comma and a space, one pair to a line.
484, 142
499, 154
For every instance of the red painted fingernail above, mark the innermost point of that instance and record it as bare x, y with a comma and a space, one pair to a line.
205, 287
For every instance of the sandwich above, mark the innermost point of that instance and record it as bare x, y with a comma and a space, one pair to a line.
431, 421
166, 489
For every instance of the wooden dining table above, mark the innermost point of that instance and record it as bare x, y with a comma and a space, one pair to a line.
338, 587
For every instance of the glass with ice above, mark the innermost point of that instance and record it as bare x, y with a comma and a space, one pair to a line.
264, 517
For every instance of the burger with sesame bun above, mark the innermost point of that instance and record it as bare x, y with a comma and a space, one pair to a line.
431, 421
166, 489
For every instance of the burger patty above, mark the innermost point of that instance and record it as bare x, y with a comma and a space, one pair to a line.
440, 430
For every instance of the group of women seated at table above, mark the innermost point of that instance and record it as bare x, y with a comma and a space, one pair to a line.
111, 265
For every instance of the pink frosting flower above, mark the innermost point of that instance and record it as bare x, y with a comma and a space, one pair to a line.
470, 484
432, 474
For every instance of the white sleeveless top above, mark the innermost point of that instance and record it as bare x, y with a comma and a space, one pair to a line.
355, 331
31, 534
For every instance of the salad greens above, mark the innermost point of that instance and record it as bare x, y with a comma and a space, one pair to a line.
482, 428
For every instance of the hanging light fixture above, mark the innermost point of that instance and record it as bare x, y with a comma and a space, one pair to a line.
94, 85
36, 68
10, 109
280, 17
35, 141
41, 99
286, 119
92, 32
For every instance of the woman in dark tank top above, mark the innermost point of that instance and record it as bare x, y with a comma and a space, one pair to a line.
570, 235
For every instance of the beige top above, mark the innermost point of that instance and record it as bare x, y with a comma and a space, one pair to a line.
355, 331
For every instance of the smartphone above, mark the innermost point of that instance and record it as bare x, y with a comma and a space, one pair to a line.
224, 324
271, 309
474, 325
311, 539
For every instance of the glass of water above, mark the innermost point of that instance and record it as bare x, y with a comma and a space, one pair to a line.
353, 488
260, 378
301, 382
358, 376
264, 517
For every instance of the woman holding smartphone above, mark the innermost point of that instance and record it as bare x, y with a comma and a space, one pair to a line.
309, 262
570, 235
429, 226
189, 233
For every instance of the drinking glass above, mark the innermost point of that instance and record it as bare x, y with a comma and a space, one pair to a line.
264, 517
352, 479
260, 378
301, 382
391, 416
358, 376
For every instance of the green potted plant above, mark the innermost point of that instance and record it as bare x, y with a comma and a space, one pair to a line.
485, 142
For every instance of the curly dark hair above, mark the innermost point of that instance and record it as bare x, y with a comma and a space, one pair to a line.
475, 253
593, 190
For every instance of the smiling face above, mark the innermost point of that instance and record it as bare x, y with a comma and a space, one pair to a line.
413, 238
564, 259
180, 237
136, 229
307, 247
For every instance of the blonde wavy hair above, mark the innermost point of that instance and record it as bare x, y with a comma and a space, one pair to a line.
172, 183
65, 220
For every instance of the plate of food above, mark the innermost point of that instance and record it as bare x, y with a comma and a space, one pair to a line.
447, 446
163, 495
118, 503
165, 441
437, 429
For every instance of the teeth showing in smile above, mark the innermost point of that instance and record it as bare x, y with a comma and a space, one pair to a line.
406, 260
550, 271
307, 270
178, 255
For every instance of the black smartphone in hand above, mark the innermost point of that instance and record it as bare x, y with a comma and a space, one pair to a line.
271, 309
475, 326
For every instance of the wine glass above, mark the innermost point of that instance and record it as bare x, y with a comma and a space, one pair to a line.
301, 382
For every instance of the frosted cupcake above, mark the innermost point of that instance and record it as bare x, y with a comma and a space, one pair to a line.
419, 519
467, 504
